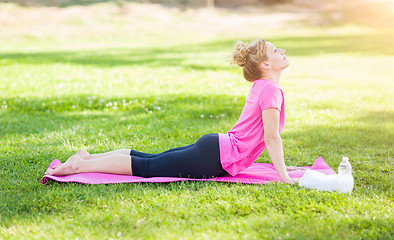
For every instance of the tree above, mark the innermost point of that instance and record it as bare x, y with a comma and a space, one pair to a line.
210, 3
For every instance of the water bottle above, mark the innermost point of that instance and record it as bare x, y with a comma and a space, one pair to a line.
345, 167
345, 181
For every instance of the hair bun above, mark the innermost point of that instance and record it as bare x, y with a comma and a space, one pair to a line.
240, 53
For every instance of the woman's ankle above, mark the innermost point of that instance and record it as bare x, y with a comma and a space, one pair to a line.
76, 163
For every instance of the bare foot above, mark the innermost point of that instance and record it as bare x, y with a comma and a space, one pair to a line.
69, 167
83, 154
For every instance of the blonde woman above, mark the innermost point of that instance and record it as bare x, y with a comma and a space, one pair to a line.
259, 127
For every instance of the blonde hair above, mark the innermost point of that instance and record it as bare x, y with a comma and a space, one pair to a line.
250, 57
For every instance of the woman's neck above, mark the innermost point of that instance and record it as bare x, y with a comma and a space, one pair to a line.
272, 76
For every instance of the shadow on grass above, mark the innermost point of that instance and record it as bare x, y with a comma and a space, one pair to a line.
378, 44
112, 57
377, 117
26, 116
373, 44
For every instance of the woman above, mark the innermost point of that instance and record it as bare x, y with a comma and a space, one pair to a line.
258, 127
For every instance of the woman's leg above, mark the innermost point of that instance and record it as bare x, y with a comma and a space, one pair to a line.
114, 163
196, 160
199, 161
84, 155
149, 155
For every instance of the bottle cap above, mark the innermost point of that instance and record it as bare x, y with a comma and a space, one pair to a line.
345, 159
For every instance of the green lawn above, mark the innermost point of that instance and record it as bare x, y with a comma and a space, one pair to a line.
101, 83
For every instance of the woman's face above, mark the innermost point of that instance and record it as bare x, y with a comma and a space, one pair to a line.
276, 57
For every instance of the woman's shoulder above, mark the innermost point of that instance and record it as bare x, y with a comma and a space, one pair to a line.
261, 83
266, 86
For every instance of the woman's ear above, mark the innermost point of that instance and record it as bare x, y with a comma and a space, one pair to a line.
265, 65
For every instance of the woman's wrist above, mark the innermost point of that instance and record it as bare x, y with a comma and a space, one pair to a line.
287, 179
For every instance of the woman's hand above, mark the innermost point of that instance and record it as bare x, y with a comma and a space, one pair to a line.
291, 180
296, 180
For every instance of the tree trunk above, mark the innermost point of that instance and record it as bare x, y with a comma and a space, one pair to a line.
210, 3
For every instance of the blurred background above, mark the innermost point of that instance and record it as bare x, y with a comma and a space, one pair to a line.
34, 23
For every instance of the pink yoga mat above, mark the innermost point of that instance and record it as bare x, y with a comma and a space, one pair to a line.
257, 173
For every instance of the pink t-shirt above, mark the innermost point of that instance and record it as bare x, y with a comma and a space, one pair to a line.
244, 143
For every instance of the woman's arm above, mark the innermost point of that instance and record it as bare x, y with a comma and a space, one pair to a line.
273, 142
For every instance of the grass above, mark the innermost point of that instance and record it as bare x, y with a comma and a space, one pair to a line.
108, 90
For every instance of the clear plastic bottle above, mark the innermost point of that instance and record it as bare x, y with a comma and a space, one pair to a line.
345, 167
345, 181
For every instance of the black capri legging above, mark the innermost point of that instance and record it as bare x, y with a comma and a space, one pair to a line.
199, 160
